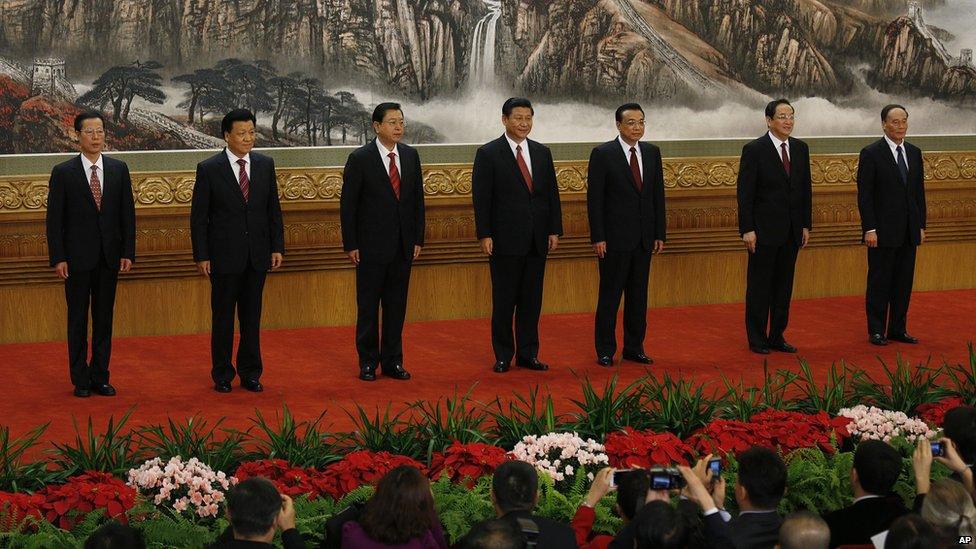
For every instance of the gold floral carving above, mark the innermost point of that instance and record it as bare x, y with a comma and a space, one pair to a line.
447, 180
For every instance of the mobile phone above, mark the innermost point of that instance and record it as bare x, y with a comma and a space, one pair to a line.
715, 466
938, 449
613, 476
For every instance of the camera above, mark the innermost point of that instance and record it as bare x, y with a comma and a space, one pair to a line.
938, 449
666, 478
615, 472
715, 466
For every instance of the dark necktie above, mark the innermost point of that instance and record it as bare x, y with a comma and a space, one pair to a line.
635, 169
520, 160
785, 157
902, 166
96, 188
394, 175
242, 179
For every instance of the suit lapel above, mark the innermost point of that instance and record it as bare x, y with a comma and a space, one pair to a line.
225, 170
647, 171
379, 167
624, 159
889, 159
775, 154
506, 151
82, 178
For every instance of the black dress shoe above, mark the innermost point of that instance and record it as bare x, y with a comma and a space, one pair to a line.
103, 389
81, 392
396, 372
637, 357
252, 385
877, 339
222, 386
782, 347
367, 372
500, 367
531, 364
605, 360
904, 338
759, 350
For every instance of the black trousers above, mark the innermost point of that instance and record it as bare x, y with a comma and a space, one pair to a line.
241, 292
622, 274
516, 289
891, 272
769, 288
382, 285
92, 290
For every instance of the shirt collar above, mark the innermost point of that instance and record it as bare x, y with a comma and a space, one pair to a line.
386, 152
756, 511
893, 145
868, 496
87, 164
777, 141
626, 147
233, 157
513, 144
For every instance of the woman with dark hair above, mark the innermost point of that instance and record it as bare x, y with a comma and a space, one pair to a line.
400, 515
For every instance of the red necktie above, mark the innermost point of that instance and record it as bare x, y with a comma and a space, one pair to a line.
786, 157
96, 188
520, 160
635, 169
243, 180
394, 175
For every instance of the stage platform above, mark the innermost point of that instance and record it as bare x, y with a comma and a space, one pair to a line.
315, 369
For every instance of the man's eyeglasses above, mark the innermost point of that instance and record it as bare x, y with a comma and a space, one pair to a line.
93, 132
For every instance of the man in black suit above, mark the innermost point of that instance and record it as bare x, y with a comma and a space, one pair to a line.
760, 485
238, 235
91, 237
518, 221
891, 199
515, 492
382, 213
876, 469
625, 203
775, 196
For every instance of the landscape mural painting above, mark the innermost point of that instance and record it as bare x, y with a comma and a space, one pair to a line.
164, 72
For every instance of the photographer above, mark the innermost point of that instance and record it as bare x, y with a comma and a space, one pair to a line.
515, 492
255, 510
760, 485
922, 465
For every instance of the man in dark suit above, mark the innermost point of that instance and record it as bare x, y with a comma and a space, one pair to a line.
518, 221
91, 236
256, 510
876, 469
759, 487
238, 235
515, 492
382, 213
775, 196
891, 199
625, 203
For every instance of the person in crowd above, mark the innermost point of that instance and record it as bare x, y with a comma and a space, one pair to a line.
759, 486
873, 476
632, 489
949, 507
400, 515
911, 531
922, 465
493, 534
659, 525
515, 492
115, 536
804, 530
959, 425
256, 510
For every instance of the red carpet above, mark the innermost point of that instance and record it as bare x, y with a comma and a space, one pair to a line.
315, 369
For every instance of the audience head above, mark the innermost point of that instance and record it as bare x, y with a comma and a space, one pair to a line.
401, 509
253, 506
762, 479
804, 530
949, 507
115, 536
514, 487
959, 425
911, 532
876, 468
658, 525
632, 487
493, 534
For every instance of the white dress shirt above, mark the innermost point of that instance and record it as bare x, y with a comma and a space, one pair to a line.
777, 142
640, 157
384, 155
87, 164
232, 158
525, 151
894, 152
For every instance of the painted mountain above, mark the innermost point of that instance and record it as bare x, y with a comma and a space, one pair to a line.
163, 71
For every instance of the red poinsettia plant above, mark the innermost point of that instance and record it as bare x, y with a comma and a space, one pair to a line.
291, 480
786, 431
934, 413
466, 463
724, 436
362, 467
17, 508
64, 504
630, 448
